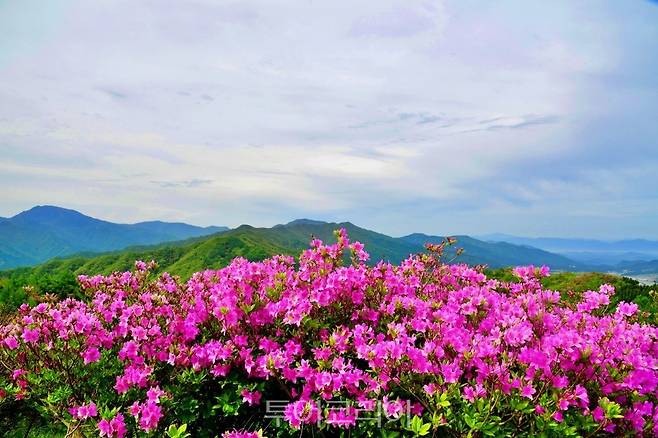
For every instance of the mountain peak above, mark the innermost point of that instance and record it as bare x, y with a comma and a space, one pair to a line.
306, 222
48, 212
41, 209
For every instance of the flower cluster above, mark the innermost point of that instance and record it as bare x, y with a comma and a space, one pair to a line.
463, 351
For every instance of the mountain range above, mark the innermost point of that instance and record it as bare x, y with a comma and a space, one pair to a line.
62, 240
45, 232
75, 242
589, 251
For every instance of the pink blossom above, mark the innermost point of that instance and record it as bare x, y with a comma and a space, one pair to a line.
627, 309
253, 398
151, 414
302, 411
30, 335
11, 342
341, 417
153, 394
527, 391
91, 355
598, 414
84, 411
115, 427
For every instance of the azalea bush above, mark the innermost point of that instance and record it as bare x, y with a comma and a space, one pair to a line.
329, 346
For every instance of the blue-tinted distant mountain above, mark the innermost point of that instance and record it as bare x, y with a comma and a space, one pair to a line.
303, 222
607, 257
500, 254
177, 230
590, 251
44, 232
637, 268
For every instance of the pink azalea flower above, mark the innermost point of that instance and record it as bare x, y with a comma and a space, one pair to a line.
151, 414
302, 411
84, 411
527, 391
253, 398
30, 336
627, 309
153, 394
91, 355
341, 417
114, 427
11, 342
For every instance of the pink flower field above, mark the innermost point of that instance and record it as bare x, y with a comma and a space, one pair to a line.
328, 345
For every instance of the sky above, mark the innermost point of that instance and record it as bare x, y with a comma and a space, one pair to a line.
443, 116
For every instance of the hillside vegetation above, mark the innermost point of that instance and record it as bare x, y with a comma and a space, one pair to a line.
44, 232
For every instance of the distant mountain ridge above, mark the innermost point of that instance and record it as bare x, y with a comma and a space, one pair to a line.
575, 244
500, 254
588, 251
43, 232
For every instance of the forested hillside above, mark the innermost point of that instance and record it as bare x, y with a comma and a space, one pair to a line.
44, 232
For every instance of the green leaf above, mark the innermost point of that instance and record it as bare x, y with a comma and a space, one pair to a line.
611, 409
424, 429
177, 432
